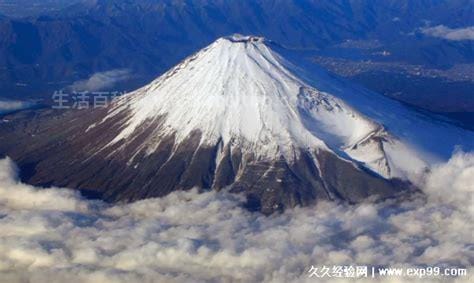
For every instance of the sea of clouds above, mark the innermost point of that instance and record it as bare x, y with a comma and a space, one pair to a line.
53, 235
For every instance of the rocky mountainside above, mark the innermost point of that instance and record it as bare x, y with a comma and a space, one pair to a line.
243, 114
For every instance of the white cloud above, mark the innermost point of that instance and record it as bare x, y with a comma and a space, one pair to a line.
52, 235
102, 80
445, 32
13, 105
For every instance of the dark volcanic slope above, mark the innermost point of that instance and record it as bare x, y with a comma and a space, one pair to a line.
53, 148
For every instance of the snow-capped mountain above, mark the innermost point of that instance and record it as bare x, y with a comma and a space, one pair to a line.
241, 92
244, 114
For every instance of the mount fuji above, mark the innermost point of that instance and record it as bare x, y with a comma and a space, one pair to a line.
243, 114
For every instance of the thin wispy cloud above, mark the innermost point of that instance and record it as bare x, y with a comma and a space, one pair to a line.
53, 235
102, 80
455, 34
7, 106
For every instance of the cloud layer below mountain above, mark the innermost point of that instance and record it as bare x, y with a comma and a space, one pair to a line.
445, 32
53, 235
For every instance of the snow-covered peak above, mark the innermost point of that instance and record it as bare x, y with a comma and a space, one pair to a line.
239, 91
243, 38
